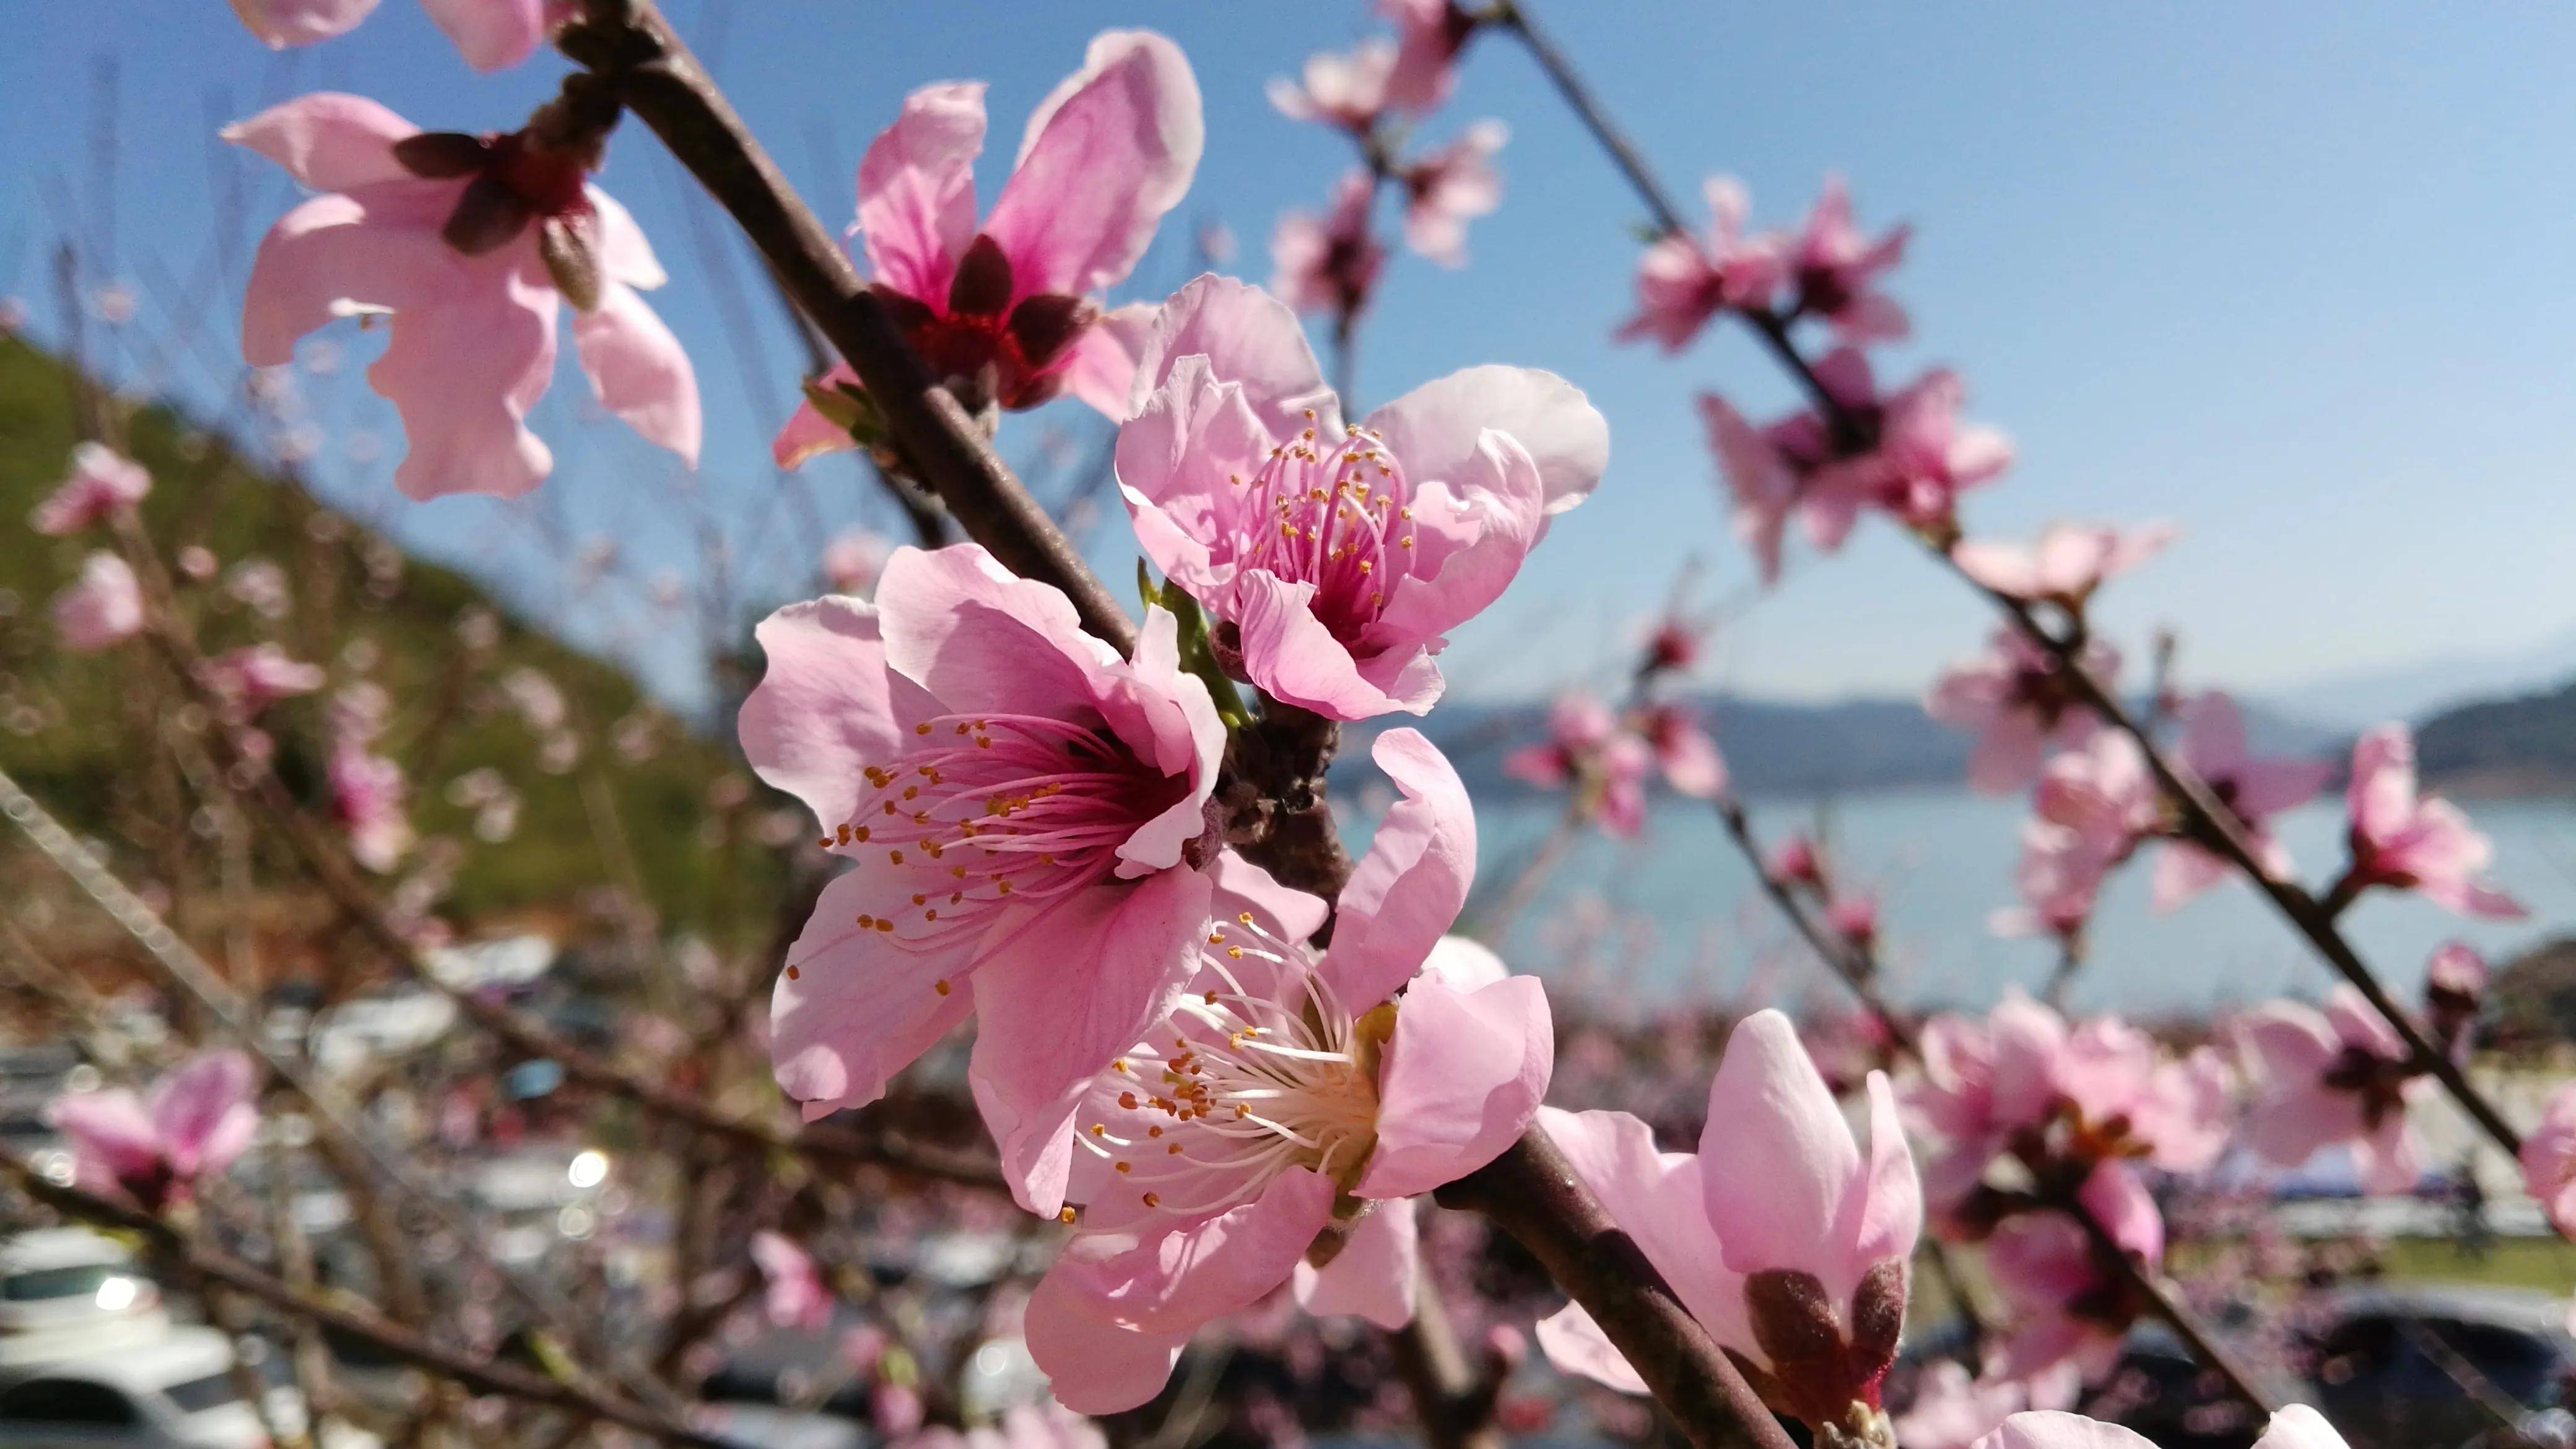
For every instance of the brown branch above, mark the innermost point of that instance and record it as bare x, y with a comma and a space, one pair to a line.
646, 68
484, 1375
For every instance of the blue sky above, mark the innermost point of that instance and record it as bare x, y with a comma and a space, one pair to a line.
2291, 275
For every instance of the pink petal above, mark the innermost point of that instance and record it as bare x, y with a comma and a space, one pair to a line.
1805, 1208
1576, 1345
1372, 1277
854, 1011
327, 140
917, 190
981, 639
2050, 1430
624, 253
1168, 718
1106, 155
463, 369
492, 34
1466, 964
637, 368
203, 1111
334, 256
1249, 338
1290, 915
111, 1129
1462, 1077
1434, 428
2299, 1427
1176, 1281
282, 23
1097, 1367
1657, 1199
1473, 531
1406, 892
1056, 1003
1102, 368
820, 714
1289, 653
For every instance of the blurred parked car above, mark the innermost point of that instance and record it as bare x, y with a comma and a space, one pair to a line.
66, 1291
2423, 1366
175, 1391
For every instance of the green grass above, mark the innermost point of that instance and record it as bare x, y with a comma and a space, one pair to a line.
77, 729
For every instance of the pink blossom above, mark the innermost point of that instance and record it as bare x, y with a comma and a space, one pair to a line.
1349, 91
367, 797
2067, 563
2068, 1308
1337, 558
1589, 752
252, 678
473, 334
2409, 841
1813, 1250
2094, 804
1011, 313
100, 609
1952, 1410
793, 1294
1449, 187
2021, 703
155, 1149
1836, 269
2549, 1160
1683, 281
1024, 811
1429, 35
1291, 1094
491, 34
1920, 459
855, 560
1854, 917
1794, 861
2213, 745
1988, 1086
102, 485
2341, 1075
2296, 1427
1683, 751
1329, 263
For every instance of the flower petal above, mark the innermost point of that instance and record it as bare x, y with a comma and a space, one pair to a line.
1175, 1281
1105, 156
917, 190
851, 1011
1059, 1000
1372, 1276
1249, 338
1463, 1075
1096, 1367
1576, 1345
637, 368
1435, 428
819, 714
492, 34
329, 141
1406, 892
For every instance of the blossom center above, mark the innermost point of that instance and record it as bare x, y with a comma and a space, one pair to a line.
999, 811
1265, 1070
1336, 514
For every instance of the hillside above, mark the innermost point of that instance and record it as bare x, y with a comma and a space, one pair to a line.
2518, 746
74, 728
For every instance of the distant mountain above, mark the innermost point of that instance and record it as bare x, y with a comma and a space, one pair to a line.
1777, 748
2412, 692
2518, 746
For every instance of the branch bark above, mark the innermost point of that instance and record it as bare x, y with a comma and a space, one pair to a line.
629, 46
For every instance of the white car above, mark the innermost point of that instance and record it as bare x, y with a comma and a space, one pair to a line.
174, 1392
66, 1291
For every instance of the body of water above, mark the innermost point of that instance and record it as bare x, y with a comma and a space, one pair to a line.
1676, 915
